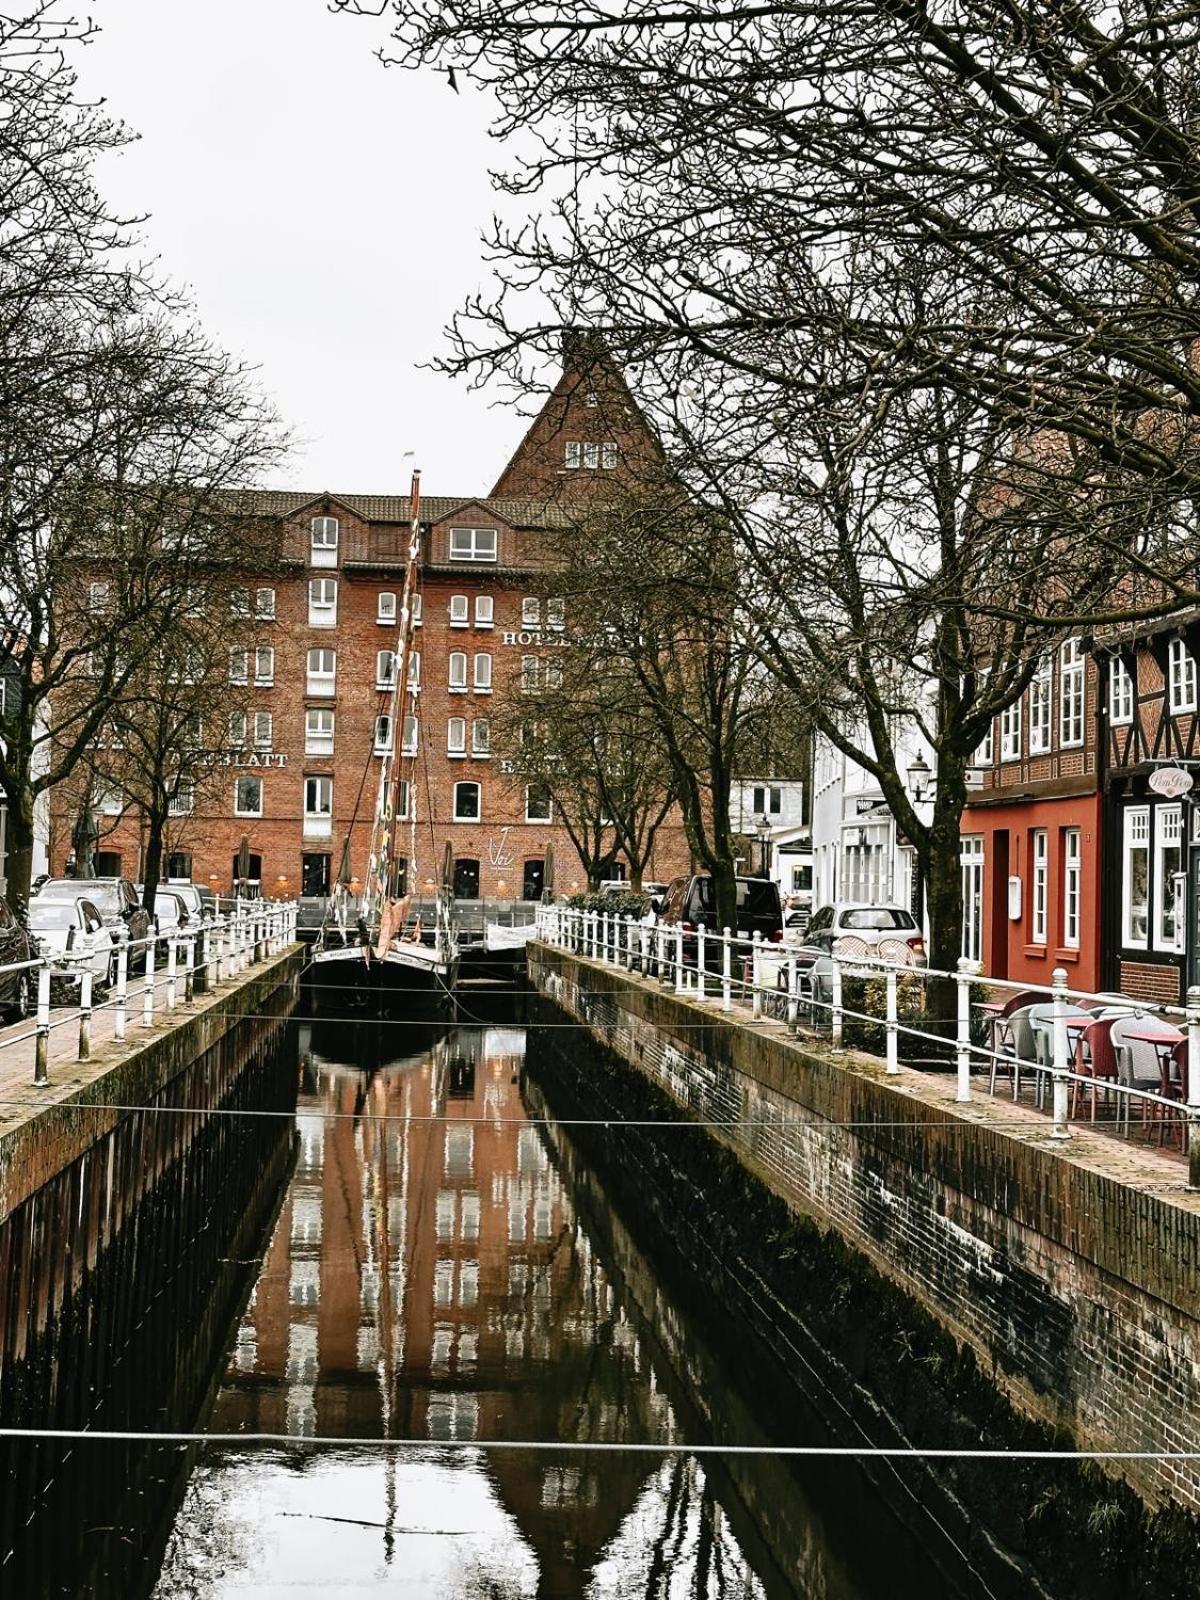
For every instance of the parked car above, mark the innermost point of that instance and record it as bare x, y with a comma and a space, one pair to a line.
883, 932
171, 915
689, 902
75, 937
208, 900
191, 897
116, 900
16, 988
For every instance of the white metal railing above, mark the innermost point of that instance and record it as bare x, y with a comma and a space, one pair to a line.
807, 988
214, 950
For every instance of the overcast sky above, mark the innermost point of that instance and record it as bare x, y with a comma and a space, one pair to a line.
325, 213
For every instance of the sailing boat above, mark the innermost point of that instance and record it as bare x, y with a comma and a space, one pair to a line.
379, 940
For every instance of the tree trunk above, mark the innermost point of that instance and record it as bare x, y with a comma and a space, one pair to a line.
943, 887
725, 887
156, 831
21, 840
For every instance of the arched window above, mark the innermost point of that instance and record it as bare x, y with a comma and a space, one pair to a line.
466, 802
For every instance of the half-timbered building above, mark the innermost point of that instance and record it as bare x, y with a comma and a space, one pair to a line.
1151, 749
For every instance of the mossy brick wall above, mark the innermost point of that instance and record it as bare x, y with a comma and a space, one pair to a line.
1078, 1290
134, 1073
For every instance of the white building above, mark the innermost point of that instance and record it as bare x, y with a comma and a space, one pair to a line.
859, 852
779, 803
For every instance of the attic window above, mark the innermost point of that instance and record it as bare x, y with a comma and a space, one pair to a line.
472, 544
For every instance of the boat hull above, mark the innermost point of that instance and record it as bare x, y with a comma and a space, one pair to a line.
414, 980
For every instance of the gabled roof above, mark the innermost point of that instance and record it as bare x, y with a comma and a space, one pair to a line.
396, 508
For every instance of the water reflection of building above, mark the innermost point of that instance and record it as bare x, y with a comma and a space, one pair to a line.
428, 1278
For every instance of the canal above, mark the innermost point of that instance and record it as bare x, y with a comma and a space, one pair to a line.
424, 1252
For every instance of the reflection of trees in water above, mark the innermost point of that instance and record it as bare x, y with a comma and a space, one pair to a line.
676, 1543
208, 1543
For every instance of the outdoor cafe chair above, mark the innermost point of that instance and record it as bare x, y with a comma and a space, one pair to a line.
1138, 1065
1095, 1059
1012, 1046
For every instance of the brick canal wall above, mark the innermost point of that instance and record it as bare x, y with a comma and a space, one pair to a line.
1070, 1270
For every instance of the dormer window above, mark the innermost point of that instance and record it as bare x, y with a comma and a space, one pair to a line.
323, 537
472, 544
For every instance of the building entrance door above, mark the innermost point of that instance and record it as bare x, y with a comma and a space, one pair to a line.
466, 878
314, 874
534, 880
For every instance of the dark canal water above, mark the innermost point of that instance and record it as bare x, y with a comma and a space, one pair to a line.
435, 1260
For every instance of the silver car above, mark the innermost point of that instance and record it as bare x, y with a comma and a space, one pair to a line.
73, 935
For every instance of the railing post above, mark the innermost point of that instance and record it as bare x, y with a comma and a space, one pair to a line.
1058, 981
793, 992
148, 987
121, 999
629, 937
85, 1015
172, 958
962, 980
1193, 1086
189, 951
701, 961
892, 1025
755, 991
680, 975
835, 1009
41, 1049
664, 957
643, 948
726, 972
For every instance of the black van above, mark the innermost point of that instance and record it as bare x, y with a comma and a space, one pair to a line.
689, 902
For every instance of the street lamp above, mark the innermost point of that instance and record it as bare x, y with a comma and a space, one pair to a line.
921, 779
764, 847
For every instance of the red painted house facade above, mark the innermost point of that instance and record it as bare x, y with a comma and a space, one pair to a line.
1031, 831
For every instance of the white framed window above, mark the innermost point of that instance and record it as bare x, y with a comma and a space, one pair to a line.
318, 807
554, 674
531, 612
1120, 694
237, 730
460, 610
971, 861
529, 672
484, 611
323, 541
262, 730
383, 734
768, 800
456, 736
248, 797
239, 666
418, 609
264, 605
1041, 706
1181, 677
318, 731
1168, 860
591, 455
239, 602
466, 802
183, 801
983, 756
608, 456
408, 744
458, 672
1135, 878
193, 736
1010, 732
1072, 887
97, 598
1040, 847
481, 737
385, 669
571, 454
556, 614
472, 544
385, 606
414, 670
538, 805
264, 666
483, 672
1072, 668
403, 797
321, 672
322, 602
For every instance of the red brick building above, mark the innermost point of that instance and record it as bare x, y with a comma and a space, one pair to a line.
1031, 831
301, 768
